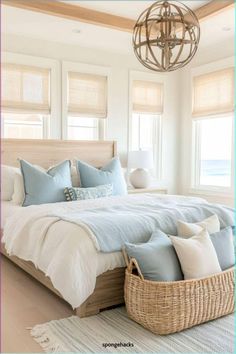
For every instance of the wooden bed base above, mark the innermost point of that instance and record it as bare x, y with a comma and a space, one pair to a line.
109, 289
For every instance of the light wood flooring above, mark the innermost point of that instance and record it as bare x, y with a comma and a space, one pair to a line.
25, 303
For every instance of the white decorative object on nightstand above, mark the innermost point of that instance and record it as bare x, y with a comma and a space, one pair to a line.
142, 161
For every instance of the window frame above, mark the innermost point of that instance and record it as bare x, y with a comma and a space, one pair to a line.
157, 149
145, 76
54, 126
45, 127
196, 168
100, 127
87, 69
194, 187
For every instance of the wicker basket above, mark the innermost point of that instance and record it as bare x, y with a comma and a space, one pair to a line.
169, 307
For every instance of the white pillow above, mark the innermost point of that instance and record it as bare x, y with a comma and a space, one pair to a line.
186, 229
75, 178
19, 191
197, 255
7, 181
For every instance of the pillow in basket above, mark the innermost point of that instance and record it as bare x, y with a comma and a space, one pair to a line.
223, 241
157, 258
197, 255
88, 193
187, 229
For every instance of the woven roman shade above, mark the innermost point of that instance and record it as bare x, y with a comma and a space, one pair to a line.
147, 97
213, 93
87, 95
25, 89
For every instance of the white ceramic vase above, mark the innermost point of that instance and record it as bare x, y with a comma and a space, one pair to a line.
139, 178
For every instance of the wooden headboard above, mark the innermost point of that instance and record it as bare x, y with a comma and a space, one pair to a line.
46, 153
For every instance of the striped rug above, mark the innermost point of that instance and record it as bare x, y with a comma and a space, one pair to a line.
112, 331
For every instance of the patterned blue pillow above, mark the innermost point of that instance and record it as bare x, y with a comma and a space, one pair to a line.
105, 190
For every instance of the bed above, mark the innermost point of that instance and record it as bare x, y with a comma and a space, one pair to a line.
74, 248
109, 285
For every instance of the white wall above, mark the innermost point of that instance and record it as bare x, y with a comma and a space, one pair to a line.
214, 58
120, 65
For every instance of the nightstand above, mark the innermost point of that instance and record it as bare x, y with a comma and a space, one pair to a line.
148, 190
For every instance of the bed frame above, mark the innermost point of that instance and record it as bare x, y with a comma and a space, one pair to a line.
109, 289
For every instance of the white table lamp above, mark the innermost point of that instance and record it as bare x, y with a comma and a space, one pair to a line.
141, 161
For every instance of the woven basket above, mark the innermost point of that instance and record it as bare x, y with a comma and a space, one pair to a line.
169, 307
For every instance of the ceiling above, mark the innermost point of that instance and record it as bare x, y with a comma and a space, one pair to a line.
129, 9
215, 29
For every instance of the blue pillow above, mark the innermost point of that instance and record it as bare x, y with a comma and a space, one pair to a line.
45, 187
109, 174
223, 241
75, 193
157, 258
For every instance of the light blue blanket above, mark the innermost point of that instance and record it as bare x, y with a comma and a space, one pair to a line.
115, 225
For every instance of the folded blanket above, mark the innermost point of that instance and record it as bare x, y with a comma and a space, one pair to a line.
113, 226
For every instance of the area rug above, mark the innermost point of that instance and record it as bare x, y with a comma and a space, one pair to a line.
112, 331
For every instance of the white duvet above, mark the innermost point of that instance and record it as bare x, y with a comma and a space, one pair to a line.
64, 251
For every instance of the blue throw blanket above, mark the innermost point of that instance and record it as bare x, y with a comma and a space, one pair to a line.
115, 225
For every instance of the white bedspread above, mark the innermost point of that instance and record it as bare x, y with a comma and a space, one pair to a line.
64, 251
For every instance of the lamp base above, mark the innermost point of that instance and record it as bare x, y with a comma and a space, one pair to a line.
139, 178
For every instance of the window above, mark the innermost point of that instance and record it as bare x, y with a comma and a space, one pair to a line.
25, 126
146, 119
214, 140
213, 126
87, 106
146, 135
25, 101
83, 128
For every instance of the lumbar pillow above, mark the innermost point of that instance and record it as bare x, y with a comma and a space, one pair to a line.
223, 242
88, 193
197, 255
157, 258
109, 174
7, 181
186, 229
45, 187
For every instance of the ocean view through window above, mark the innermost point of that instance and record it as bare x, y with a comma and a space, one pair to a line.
214, 140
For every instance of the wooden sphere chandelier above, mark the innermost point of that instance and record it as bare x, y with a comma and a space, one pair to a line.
166, 36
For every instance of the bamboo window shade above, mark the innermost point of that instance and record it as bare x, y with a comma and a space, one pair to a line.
87, 95
25, 89
147, 97
213, 93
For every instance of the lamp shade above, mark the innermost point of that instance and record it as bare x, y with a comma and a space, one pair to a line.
140, 159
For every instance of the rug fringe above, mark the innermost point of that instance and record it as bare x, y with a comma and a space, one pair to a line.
44, 337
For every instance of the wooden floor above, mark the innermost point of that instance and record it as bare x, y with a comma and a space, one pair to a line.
25, 303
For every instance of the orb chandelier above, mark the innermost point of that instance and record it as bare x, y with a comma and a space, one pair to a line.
166, 36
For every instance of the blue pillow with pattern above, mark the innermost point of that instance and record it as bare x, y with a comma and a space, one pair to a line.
88, 193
